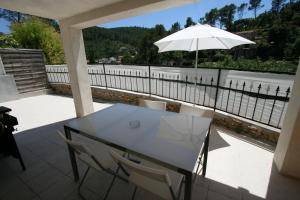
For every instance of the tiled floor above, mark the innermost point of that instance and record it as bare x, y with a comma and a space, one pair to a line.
238, 167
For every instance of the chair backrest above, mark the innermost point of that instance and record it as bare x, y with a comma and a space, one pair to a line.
141, 170
78, 147
158, 105
195, 111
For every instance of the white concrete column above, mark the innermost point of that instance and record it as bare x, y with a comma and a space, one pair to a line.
77, 65
287, 153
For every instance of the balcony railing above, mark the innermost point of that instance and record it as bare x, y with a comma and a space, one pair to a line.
262, 100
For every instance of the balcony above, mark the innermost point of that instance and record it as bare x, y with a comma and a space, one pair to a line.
238, 167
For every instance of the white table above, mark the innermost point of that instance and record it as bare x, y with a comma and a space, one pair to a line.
166, 138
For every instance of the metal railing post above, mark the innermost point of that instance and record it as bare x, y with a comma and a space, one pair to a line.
257, 96
276, 94
186, 83
104, 76
229, 90
149, 72
217, 88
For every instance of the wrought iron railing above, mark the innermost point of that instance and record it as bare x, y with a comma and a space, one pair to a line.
257, 101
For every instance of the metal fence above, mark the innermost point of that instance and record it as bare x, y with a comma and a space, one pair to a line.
256, 101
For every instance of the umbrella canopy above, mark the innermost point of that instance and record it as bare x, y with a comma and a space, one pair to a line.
200, 37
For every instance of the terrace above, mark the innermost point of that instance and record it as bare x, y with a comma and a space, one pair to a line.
238, 167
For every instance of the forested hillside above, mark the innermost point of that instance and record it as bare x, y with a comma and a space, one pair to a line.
276, 33
102, 42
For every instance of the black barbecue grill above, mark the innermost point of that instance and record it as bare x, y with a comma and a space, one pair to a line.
8, 145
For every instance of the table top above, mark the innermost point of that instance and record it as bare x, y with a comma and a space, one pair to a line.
169, 138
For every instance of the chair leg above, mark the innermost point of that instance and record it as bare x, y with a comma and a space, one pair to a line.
198, 167
134, 192
83, 178
199, 163
180, 189
111, 184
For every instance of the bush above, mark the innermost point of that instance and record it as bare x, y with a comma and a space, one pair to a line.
37, 34
7, 41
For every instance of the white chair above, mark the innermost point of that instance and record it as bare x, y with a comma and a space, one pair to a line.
99, 159
161, 182
157, 105
196, 111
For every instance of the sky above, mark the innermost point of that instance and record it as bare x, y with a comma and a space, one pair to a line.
195, 10
169, 16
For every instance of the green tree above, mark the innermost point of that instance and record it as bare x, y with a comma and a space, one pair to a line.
12, 16
227, 16
128, 59
147, 51
277, 5
212, 16
255, 5
36, 34
189, 22
241, 9
175, 27
202, 20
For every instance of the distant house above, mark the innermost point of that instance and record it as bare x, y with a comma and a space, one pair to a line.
112, 60
123, 49
102, 60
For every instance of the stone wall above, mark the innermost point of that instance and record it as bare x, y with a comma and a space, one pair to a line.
117, 96
243, 127
230, 122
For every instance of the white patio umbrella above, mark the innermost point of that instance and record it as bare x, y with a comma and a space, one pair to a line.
200, 37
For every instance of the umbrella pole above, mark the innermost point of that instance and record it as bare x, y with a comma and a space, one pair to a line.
196, 65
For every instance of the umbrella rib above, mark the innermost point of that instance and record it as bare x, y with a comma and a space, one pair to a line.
222, 42
165, 47
190, 49
216, 38
163, 50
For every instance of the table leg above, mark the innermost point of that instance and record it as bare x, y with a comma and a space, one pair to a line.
188, 186
205, 153
72, 155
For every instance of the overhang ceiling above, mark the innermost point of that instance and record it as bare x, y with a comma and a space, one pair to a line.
84, 13
54, 9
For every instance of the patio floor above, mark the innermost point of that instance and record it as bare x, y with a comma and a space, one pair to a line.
238, 167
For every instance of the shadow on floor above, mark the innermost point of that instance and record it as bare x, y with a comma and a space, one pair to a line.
216, 141
259, 143
279, 188
49, 175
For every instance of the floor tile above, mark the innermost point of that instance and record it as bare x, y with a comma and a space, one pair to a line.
60, 190
42, 182
17, 190
216, 196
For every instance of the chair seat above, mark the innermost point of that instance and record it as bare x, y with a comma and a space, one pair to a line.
101, 153
155, 187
